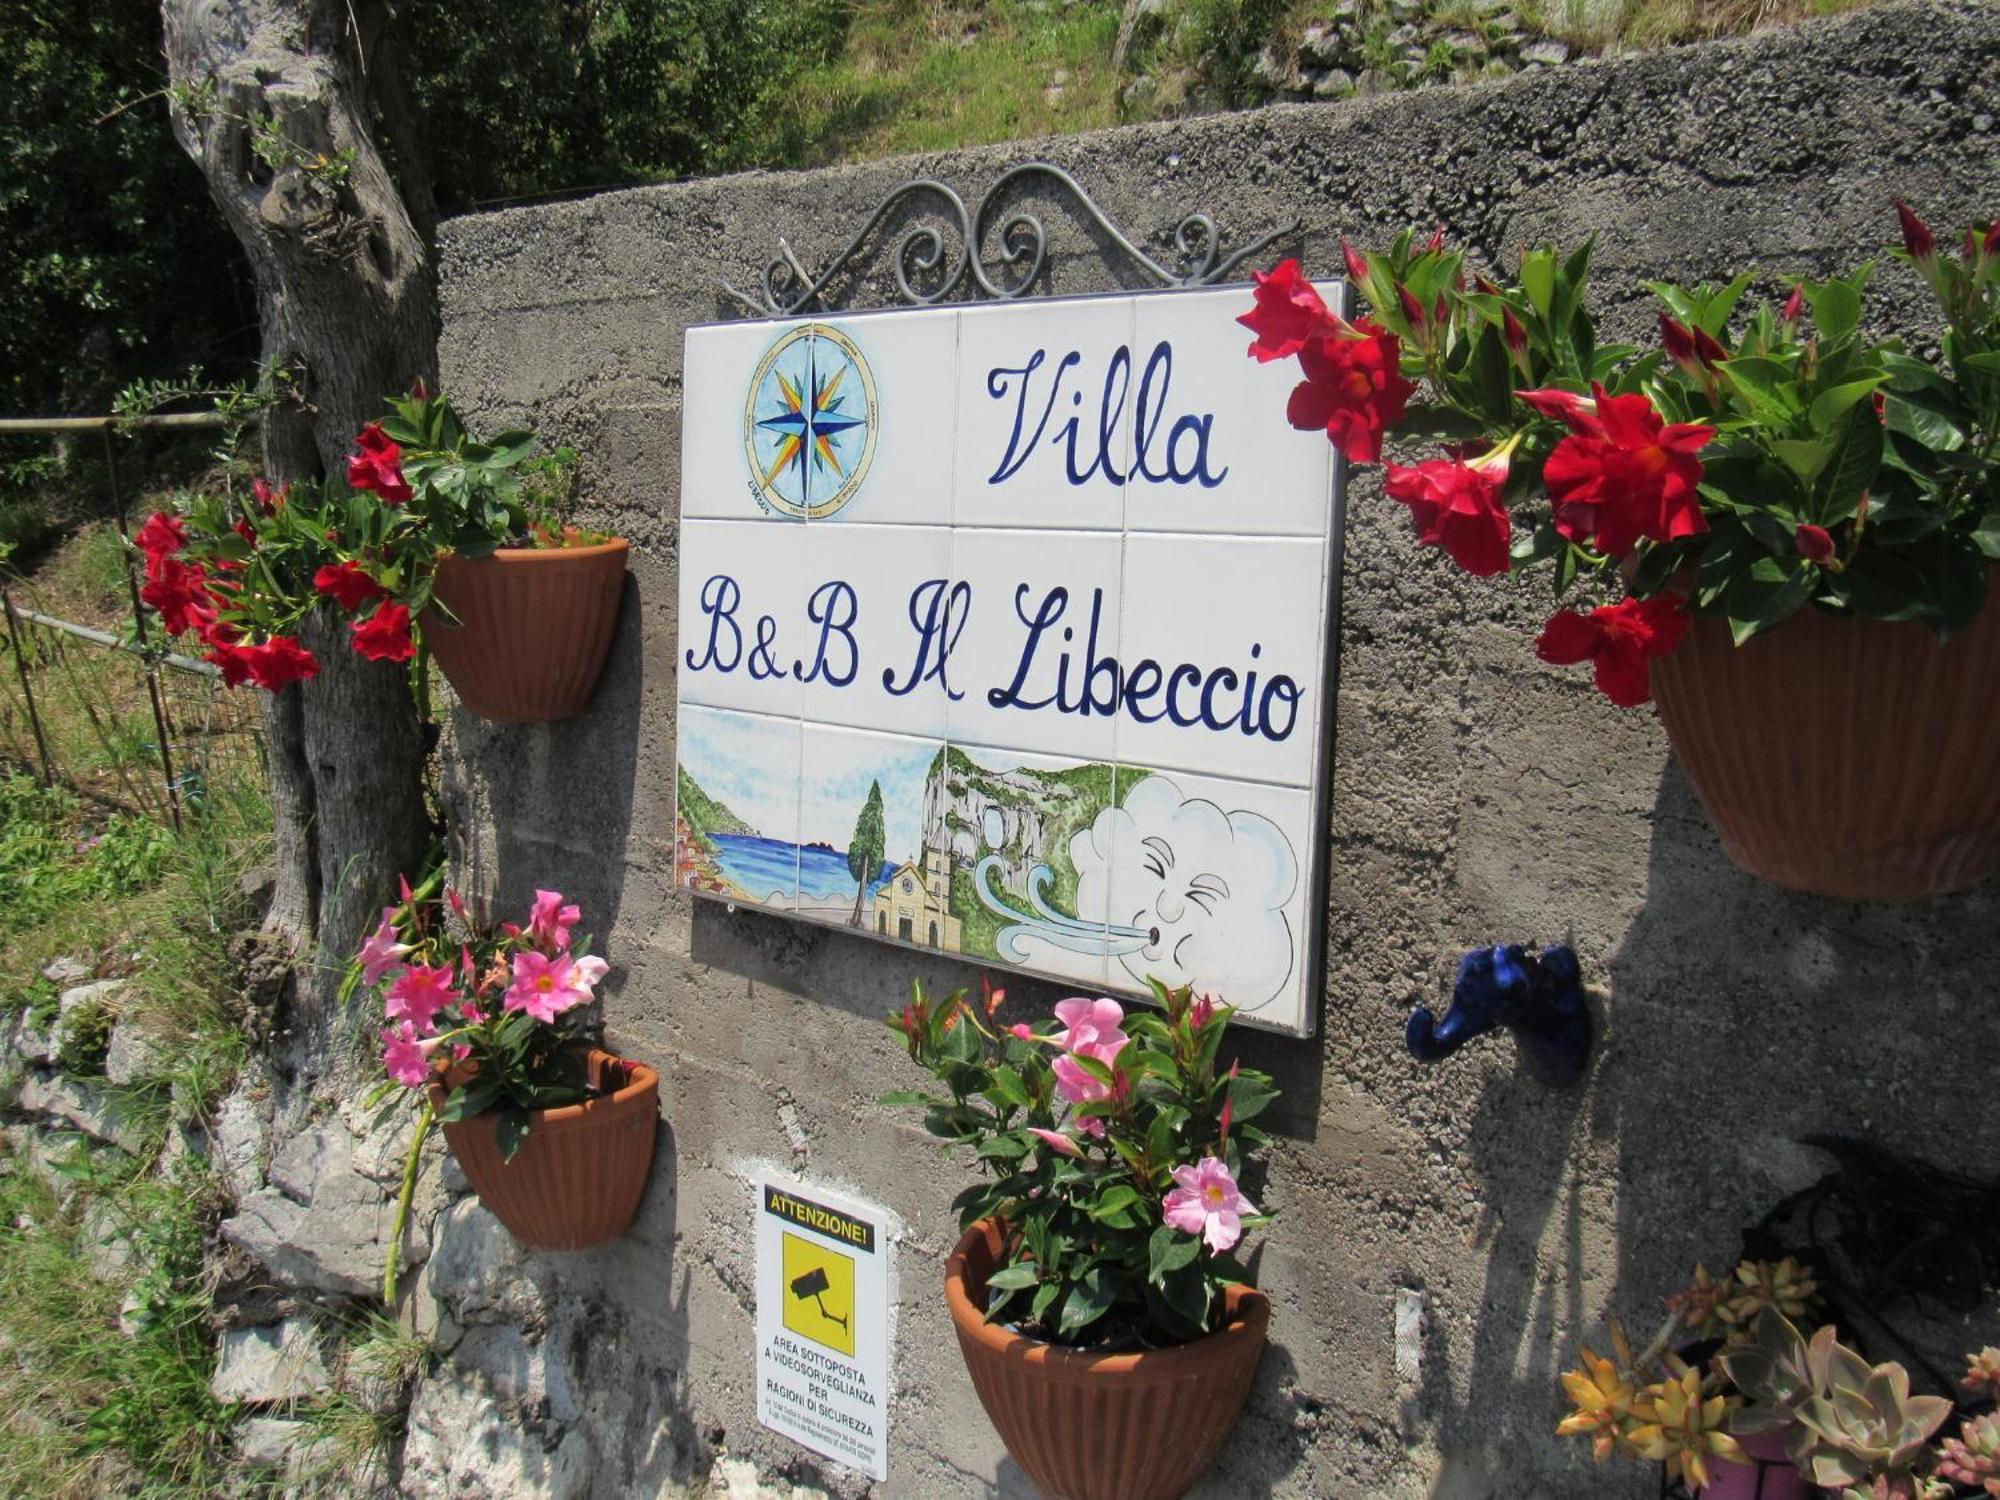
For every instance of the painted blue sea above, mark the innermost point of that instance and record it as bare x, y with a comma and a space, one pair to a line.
760, 866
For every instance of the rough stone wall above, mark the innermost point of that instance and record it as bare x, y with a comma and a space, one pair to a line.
1477, 796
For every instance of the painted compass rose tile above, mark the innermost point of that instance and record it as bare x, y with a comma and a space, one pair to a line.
810, 424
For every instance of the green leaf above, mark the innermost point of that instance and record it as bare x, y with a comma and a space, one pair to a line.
1001, 1148
469, 1100
1538, 279
1857, 457
1045, 1295
1113, 1201
1836, 308
1830, 405
511, 1131
1168, 1250
1804, 457
1013, 1278
1008, 1087
1249, 1094
1986, 536
1089, 1300
897, 1097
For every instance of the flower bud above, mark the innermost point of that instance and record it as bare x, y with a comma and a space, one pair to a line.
1795, 307
1917, 236
1815, 543
1357, 267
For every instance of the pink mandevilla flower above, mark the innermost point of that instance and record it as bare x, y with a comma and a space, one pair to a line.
406, 1058
1091, 1028
382, 952
549, 923
545, 987
419, 994
1207, 1202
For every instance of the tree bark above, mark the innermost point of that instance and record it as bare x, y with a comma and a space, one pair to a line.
271, 98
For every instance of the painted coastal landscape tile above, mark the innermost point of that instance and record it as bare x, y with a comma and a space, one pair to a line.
1231, 692
1014, 826
871, 608
736, 807
1044, 428
1215, 452
740, 615
719, 366
1042, 609
1203, 882
904, 384
865, 860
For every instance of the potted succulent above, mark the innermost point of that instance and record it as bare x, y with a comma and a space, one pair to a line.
1103, 1311
1737, 1404
434, 542
1780, 529
481, 1029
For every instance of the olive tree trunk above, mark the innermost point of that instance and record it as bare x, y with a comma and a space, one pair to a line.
277, 101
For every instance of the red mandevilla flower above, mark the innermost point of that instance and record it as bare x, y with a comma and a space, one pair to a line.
1457, 506
1815, 543
278, 662
179, 591
1288, 313
378, 466
1620, 640
1354, 388
162, 535
385, 634
347, 584
1623, 474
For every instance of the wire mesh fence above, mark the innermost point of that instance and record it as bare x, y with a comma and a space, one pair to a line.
105, 705
78, 704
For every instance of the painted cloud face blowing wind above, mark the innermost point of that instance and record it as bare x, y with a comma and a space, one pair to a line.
1206, 887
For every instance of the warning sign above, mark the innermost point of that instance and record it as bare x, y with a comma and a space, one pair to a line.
822, 1323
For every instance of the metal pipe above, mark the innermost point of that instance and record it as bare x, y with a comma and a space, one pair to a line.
105, 638
182, 419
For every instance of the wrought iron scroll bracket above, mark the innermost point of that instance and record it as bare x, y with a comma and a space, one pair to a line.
928, 271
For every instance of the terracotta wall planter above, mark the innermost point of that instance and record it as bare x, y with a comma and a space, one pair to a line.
578, 1180
534, 627
1851, 758
1103, 1426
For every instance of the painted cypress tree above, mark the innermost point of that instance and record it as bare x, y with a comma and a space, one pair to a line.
864, 850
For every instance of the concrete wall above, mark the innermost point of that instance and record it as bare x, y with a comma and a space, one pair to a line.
1478, 797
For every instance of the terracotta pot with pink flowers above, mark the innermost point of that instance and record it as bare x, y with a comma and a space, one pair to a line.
485, 1030
1106, 1320
1781, 527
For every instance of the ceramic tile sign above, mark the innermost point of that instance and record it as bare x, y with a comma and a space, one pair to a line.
1005, 631
823, 1322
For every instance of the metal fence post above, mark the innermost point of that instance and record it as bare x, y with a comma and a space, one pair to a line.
139, 629
27, 689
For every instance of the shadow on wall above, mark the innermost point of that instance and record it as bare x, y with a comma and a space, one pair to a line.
550, 805
847, 972
1749, 1016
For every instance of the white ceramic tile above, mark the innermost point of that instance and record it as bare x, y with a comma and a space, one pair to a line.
1187, 656
737, 806
1213, 451
1069, 581
875, 603
742, 615
912, 879
1044, 413
1204, 882
718, 368
1020, 829
912, 363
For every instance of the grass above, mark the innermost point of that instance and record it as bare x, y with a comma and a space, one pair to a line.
917, 76
86, 1406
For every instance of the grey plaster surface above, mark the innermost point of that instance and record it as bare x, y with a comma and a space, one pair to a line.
1478, 796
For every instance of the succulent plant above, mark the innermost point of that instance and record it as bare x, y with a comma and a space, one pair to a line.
1973, 1457
1778, 1370
1855, 1433
1698, 1305
1602, 1393
1685, 1427
1763, 1285
1982, 1374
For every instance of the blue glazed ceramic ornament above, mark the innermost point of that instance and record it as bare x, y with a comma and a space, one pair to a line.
1538, 997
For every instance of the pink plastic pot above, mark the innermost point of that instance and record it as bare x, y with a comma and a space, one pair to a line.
1773, 1477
